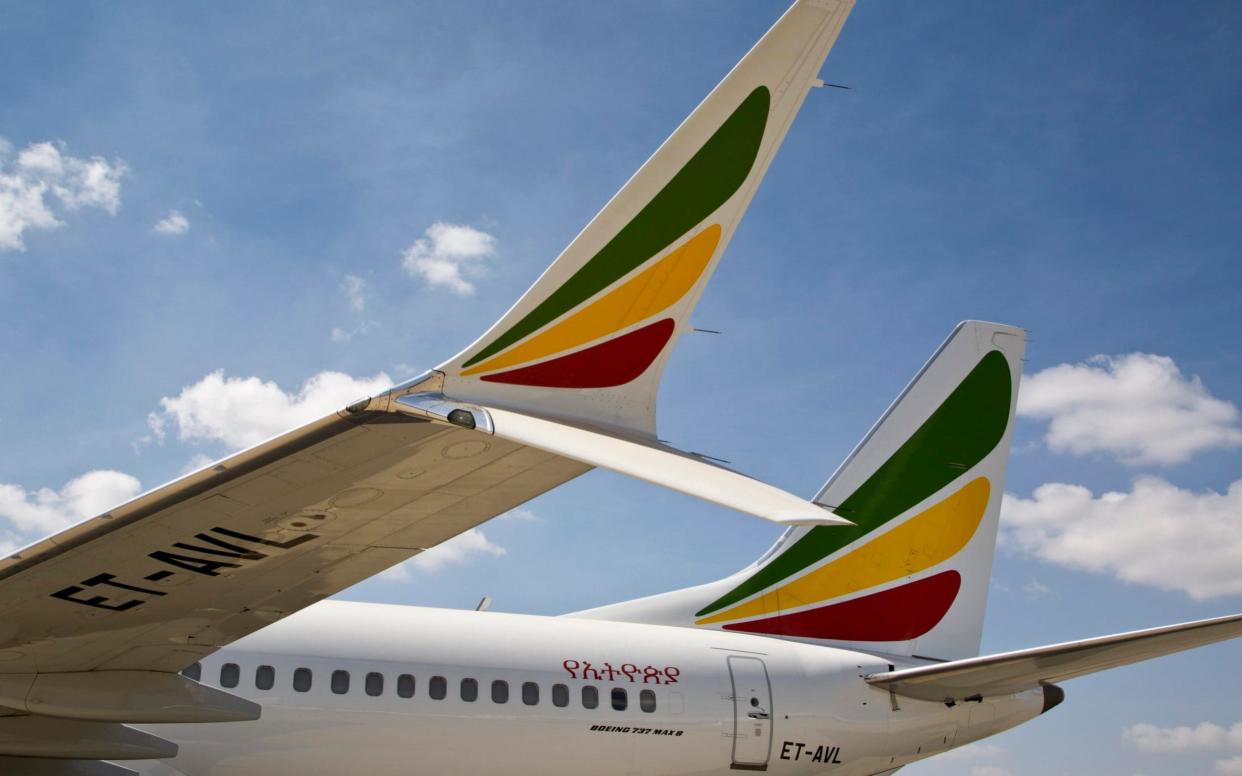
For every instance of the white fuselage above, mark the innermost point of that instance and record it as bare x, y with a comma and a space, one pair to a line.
492, 693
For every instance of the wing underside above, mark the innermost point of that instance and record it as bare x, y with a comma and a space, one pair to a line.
162, 581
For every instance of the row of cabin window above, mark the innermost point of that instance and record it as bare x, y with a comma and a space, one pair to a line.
373, 684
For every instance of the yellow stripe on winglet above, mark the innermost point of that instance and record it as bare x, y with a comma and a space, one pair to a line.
655, 289
932, 537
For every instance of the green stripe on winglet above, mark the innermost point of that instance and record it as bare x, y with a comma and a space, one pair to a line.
711, 176
964, 429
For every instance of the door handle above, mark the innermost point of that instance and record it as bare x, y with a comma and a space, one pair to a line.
758, 714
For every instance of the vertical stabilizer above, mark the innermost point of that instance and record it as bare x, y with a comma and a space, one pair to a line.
923, 490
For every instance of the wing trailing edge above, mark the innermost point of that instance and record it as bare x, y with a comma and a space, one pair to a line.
1012, 672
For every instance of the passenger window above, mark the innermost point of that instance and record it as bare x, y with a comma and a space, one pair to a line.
530, 693
560, 695
620, 699
374, 684
469, 690
194, 672
264, 677
405, 686
500, 691
590, 696
230, 674
646, 701
439, 688
302, 680
340, 682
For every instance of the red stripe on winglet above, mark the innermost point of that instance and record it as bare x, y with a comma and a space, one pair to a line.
610, 363
899, 614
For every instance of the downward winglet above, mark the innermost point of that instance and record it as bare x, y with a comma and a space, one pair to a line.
664, 466
654, 463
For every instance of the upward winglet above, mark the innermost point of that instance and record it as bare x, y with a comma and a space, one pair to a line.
588, 342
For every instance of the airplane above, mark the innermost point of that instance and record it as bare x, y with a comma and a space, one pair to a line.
186, 632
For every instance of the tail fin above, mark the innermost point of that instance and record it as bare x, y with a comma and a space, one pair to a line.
923, 490
588, 341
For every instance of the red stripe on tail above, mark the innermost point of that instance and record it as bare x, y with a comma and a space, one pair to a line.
899, 614
610, 363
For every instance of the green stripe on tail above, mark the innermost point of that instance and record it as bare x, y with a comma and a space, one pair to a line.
959, 434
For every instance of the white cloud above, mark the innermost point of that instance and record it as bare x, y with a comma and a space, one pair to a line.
459, 550
46, 510
1157, 534
243, 411
155, 422
22, 207
173, 224
345, 335
521, 514
355, 289
1036, 589
448, 254
41, 169
1204, 737
1138, 407
196, 462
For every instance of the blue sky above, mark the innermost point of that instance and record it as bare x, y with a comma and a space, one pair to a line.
1070, 167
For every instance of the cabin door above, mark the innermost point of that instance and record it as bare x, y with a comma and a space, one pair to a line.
752, 713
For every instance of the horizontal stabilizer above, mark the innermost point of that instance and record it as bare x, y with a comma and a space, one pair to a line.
1012, 672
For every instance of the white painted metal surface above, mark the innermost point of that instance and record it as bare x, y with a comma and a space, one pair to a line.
821, 708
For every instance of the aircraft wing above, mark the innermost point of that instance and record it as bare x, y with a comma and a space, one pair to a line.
159, 582
1012, 672
95, 621
566, 380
